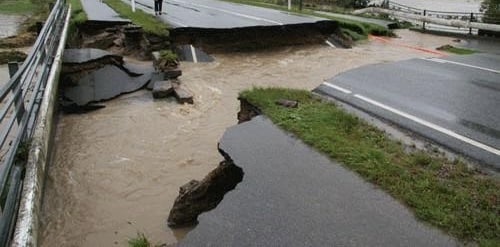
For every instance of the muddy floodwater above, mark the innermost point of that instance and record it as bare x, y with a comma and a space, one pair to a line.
10, 24
117, 171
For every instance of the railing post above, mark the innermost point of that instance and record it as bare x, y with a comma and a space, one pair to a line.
13, 67
423, 24
385, 4
39, 26
471, 19
19, 104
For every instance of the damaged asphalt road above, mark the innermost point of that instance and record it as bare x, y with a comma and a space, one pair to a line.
301, 198
219, 14
92, 75
452, 100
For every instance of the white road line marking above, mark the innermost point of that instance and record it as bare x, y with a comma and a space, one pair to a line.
193, 52
329, 43
341, 89
438, 60
434, 60
232, 13
430, 125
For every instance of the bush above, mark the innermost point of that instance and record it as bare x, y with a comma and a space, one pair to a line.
491, 10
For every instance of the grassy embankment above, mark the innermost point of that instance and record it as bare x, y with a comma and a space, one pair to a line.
461, 200
148, 22
17, 7
355, 29
456, 50
78, 15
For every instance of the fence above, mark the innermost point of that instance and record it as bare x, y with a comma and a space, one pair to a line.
20, 100
461, 16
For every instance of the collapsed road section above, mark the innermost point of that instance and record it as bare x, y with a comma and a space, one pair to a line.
301, 198
257, 37
223, 26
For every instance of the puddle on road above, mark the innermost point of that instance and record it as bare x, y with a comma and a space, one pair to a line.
117, 171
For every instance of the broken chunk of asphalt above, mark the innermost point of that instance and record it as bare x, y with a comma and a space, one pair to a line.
197, 197
85, 55
249, 37
291, 195
163, 75
105, 83
73, 108
93, 75
162, 89
183, 95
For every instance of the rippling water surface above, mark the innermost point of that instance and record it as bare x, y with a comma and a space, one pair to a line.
117, 171
9, 25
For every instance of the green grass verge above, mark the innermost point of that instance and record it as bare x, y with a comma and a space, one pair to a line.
448, 194
11, 56
355, 29
456, 50
148, 22
78, 16
139, 241
17, 6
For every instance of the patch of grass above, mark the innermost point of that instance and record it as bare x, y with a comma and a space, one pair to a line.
139, 241
168, 55
11, 56
78, 16
456, 50
148, 22
355, 29
17, 6
448, 194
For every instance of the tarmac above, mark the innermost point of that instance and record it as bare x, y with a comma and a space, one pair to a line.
98, 11
449, 100
292, 195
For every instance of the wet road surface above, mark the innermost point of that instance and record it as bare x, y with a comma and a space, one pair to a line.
451, 100
301, 198
97, 10
219, 14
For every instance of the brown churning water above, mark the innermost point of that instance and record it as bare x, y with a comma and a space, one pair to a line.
117, 171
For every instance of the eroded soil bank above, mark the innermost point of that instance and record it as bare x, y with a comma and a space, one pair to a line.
117, 171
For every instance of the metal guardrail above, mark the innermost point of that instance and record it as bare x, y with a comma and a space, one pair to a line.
20, 100
446, 15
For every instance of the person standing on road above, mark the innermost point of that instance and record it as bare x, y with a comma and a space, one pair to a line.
158, 4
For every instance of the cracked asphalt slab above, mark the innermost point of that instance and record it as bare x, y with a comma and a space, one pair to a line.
301, 198
219, 14
451, 100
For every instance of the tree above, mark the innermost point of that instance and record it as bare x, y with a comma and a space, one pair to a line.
491, 10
